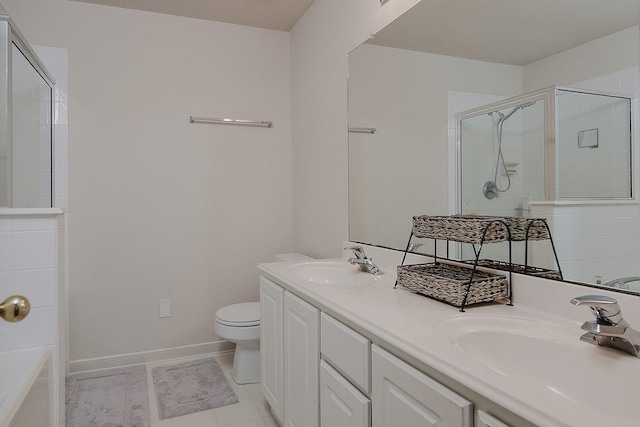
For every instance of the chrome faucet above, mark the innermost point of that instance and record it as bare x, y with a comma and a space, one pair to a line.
363, 262
609, 329
414, 246
621, 282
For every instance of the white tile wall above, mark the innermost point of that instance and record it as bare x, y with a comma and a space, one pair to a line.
40, 284
595, 241
32, 265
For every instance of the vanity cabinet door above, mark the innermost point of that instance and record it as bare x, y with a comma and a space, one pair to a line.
341, 404
271, 346
301, 361
404, 396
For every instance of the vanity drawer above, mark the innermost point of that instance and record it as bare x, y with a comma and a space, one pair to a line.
483, 419
347, 351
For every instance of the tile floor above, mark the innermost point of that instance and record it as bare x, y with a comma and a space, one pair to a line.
252, 409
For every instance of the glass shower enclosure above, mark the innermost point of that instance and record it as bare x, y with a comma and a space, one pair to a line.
26, 122
554, 144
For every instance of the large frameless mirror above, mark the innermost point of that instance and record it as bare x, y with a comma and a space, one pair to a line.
411, 80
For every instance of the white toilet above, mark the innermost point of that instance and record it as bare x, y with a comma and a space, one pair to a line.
240, 323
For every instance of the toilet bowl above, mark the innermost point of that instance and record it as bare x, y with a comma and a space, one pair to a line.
240, 323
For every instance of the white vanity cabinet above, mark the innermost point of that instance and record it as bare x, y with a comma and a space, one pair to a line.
404, 396
271, 346
289, 356
356, 384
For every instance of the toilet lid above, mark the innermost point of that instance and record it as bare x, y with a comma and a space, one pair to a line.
243, 314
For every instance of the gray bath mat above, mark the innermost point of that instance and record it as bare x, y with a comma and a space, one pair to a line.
108, 398
191, 387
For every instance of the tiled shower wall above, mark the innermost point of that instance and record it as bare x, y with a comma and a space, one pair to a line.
595, 241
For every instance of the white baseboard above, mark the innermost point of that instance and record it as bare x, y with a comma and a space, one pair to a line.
119, 360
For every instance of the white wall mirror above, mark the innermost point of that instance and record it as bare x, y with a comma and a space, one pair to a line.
413, 79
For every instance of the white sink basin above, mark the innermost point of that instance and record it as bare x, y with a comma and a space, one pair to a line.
337, 273
548, 357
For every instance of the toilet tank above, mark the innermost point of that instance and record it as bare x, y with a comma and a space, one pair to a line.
293, 256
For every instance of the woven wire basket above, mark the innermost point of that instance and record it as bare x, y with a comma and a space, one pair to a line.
459, 228
448, 283
518, 227
470, 228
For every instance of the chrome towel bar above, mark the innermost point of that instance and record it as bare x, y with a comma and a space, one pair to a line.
211, 120
363, 130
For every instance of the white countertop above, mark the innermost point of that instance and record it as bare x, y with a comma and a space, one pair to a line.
30, 211
397, 319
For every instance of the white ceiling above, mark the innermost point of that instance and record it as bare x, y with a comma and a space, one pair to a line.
272, 14
514, 32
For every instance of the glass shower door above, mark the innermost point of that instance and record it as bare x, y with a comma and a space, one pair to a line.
593, 146
31, 125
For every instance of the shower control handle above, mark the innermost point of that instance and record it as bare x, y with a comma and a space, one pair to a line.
15, 308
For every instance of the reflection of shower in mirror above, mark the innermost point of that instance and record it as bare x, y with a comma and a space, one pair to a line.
491, 189
562, 154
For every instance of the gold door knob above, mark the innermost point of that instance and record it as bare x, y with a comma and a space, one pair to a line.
14, 308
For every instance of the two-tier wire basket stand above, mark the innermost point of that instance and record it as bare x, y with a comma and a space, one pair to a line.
458, 285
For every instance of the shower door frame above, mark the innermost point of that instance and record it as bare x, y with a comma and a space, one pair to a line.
547, 97
9, 36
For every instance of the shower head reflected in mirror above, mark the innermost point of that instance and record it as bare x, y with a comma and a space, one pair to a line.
490, 188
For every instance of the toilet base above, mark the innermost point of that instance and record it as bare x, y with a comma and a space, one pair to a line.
246, 362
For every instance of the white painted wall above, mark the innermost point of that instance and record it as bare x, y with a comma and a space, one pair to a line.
600, 57
320, 42
160, 208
